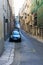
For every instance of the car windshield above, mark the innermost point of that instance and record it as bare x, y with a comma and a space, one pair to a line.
15, 33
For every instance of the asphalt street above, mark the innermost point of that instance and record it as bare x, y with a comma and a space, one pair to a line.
28, 52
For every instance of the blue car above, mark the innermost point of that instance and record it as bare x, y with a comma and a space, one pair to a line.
16, 36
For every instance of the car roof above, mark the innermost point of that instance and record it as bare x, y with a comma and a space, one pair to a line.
15, 31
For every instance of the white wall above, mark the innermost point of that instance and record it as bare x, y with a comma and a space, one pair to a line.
1, 27
1, 18
5, 8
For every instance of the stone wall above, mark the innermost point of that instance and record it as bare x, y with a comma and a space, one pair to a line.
1, 46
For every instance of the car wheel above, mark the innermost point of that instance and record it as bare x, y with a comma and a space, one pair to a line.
20, 39
10, 40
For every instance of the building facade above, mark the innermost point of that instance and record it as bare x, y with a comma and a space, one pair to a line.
37, 12
6, 19
31, 17
1, 28
11, 2
25, 15
37, 15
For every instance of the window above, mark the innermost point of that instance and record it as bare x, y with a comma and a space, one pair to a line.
25, 17
37, 2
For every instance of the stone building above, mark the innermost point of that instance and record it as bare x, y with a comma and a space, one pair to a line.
1, 28
37, 15
32, 15
6, 19
26, 15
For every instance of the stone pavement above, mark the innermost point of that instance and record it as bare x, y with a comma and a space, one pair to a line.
8, 54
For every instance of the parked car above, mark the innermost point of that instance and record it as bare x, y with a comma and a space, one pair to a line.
16, 29
17, 24
16, 36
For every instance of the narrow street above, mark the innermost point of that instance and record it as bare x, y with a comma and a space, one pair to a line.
28, 52
21, 32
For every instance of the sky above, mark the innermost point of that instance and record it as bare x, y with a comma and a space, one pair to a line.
17, 5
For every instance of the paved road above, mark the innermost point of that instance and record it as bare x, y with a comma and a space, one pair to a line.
28, 52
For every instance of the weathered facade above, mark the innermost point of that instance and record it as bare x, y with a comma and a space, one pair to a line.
6, 22
37, 9
26, 15
1, 28
32, 17
37, 14
12, 15
6, 17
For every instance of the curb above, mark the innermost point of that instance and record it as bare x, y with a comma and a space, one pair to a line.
8, 54
37, 38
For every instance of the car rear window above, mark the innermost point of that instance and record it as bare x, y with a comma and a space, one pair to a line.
15, 33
